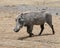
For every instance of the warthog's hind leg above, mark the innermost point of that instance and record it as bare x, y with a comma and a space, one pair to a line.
50, 24
42, 28
29, 30
52, 29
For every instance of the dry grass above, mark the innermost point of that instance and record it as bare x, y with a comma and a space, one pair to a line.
52, 3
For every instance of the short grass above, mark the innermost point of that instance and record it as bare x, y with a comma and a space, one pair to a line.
52, 3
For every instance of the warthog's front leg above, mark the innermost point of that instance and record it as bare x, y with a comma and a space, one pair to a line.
29, 30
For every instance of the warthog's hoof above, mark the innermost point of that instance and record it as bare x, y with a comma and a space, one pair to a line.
53, 33
30, 35
39, 34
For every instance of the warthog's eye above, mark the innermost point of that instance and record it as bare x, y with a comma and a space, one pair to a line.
21, 21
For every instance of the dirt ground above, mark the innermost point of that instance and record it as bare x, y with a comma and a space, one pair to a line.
11, 39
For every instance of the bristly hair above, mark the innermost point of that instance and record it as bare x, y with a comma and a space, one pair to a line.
21, 15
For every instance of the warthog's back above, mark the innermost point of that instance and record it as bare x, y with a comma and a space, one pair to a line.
35, 18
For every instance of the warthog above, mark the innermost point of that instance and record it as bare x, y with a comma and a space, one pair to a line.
33, 18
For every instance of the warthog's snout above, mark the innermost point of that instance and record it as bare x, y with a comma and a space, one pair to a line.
16, 30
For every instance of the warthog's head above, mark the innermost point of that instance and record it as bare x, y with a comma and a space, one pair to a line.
19, 23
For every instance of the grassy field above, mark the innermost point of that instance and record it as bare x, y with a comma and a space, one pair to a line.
52, 3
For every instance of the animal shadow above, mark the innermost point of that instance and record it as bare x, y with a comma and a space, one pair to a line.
46, 34
22, 38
